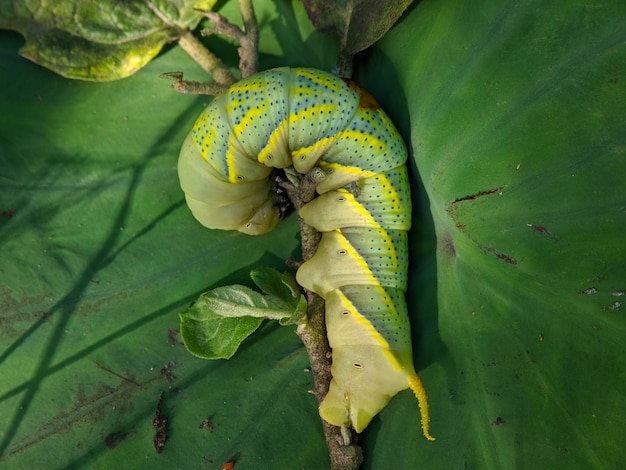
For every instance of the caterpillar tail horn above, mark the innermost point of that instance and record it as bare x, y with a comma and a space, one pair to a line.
416, 386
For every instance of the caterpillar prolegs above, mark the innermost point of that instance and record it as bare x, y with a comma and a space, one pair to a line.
306, 118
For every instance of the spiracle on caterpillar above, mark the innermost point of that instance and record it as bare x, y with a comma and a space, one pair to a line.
305, 118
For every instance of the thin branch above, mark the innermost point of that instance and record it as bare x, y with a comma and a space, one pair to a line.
221, 25
345, 62
341, 442
191, 87
249, 50
207, 60
247, 37
345, 65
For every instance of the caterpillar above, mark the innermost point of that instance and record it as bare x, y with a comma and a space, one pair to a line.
304, 118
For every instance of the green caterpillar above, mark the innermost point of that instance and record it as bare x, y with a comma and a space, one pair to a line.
306, 118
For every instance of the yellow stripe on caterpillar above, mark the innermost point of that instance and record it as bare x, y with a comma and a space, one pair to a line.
343, 335
338, 175
306, 158
366, 374
326, 80
341, 314
276, 153
334, 210
335, 263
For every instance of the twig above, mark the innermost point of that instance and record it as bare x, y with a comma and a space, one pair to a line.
249, 50
345, 61
207, 60
341, 443
345, 65
247, 37
192, 87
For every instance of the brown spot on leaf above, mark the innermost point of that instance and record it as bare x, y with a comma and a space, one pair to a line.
451, 209
471, 197
207, 424
542, 230
501, 256
172, 336
160, 424
448, 246
7, 214
166, 372
113, 439
507, 258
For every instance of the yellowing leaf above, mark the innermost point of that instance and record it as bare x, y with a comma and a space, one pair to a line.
98, 41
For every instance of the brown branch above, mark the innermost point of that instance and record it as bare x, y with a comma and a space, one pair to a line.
341, 443
206, 59
191, 87
249, 50
345, 65
221, 25
247, 37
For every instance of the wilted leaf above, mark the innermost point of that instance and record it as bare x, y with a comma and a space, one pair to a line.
101, 40
359, 23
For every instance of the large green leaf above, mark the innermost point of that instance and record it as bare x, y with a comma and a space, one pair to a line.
517, 120
99, 256
523, 362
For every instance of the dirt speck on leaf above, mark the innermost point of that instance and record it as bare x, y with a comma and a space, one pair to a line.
115, 438
160, 424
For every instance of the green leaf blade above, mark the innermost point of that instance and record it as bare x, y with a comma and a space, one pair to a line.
516, 115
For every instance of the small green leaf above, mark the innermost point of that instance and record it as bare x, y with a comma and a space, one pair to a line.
281, 286
289, 280
241, 301
211, 336
268, 280
218, 322
298, 315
